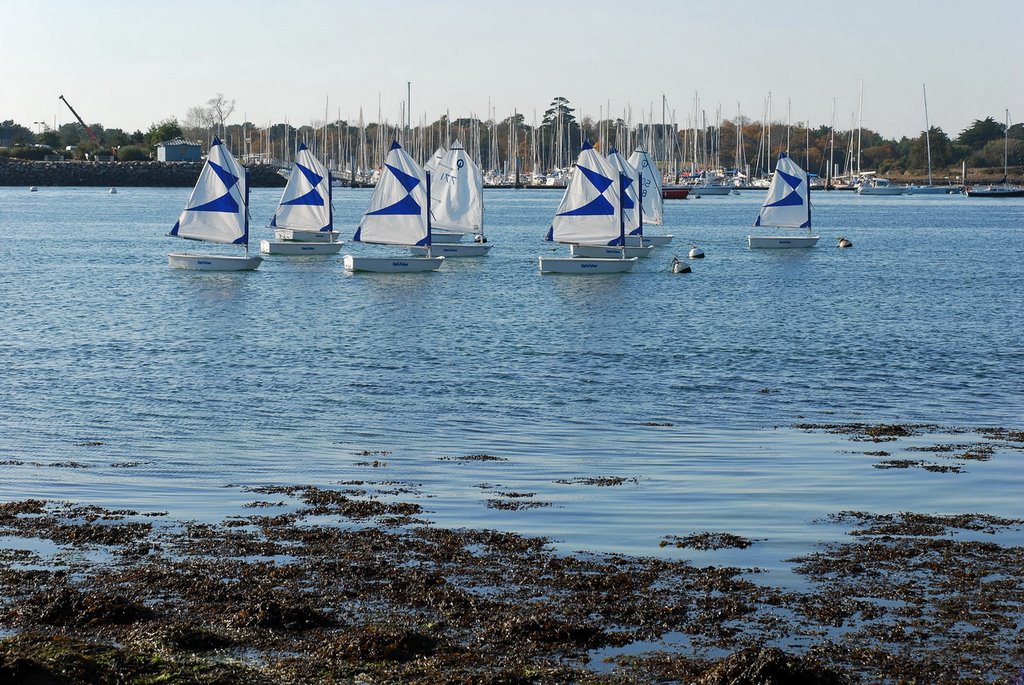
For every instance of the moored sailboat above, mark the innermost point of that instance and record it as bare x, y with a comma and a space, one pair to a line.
652, 201
398, 214
1004, 188
590, 213
786, 205
217, 211
456, 205
304, 220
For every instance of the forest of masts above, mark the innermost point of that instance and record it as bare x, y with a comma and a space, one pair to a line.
511, 147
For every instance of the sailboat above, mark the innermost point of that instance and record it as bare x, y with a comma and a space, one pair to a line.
398, 214
456, 205
631, 216
590, 212
1004, 188
304, 221
441, 236
787, 205
931, 188
652, 201
216, 212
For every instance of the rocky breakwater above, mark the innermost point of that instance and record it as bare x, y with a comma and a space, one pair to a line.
15, 172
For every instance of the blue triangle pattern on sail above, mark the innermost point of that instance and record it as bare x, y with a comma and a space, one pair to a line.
311, 198
408, 182
224, 203
405, 206
228, 178
793, 181
627, 201
599, 206
311, 176
791, 200
600, 182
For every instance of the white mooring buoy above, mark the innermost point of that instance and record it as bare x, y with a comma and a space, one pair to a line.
696, 252
843, 242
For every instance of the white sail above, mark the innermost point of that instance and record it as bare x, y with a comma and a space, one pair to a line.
787, 204
431, 164
651, 192
630, 181
457, 193
306, 201
589, 211
217, 209
398, 210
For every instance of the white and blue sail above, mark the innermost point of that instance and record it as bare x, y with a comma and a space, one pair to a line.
305, 203
787, 203
590, 209
398, 213
630, 177
457, 192
650, 191
218, 209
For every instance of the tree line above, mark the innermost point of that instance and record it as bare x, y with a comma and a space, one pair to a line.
547, 144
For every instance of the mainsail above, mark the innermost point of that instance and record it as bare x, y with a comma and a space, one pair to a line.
589, 211
651, 193
787, 203
456, 193
306, 201
630, 183
397, 214
217, 210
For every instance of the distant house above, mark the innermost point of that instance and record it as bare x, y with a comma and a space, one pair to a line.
178, 150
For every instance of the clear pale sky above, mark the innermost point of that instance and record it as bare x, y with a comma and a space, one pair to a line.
127, 64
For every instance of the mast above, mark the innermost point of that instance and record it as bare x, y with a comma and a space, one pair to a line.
860, 126
927, 134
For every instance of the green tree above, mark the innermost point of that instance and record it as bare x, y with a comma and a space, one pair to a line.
161, 131
981, 132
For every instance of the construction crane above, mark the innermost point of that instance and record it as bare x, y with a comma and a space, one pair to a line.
88, 131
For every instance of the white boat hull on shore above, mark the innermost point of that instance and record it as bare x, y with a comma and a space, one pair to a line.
392, 264
574, 265
298, 247
205, 262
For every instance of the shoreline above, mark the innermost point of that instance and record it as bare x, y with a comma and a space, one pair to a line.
346, 581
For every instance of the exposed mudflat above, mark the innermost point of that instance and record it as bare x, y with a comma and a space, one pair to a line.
345, 582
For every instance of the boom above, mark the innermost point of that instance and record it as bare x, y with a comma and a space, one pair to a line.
88, 131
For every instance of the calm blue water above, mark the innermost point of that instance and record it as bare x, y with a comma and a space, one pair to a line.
285, 374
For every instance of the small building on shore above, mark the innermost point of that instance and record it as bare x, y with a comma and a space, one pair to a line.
178, 150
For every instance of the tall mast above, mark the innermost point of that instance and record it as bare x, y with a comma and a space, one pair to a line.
860, 125
927, 133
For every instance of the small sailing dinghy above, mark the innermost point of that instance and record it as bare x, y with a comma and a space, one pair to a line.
787, 205
456, 205
216, 212
399, 214
632, 216
590, 213
652, 203
304, 221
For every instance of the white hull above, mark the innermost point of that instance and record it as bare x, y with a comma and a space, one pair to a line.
782, 241
304, 235
655, 240
711, 191
933, 190
606, 252
392, 264
572, 265
437, 236
888, 190
297, 247
204, 262
453, 250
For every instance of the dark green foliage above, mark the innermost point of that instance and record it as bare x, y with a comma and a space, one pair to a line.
132, 153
